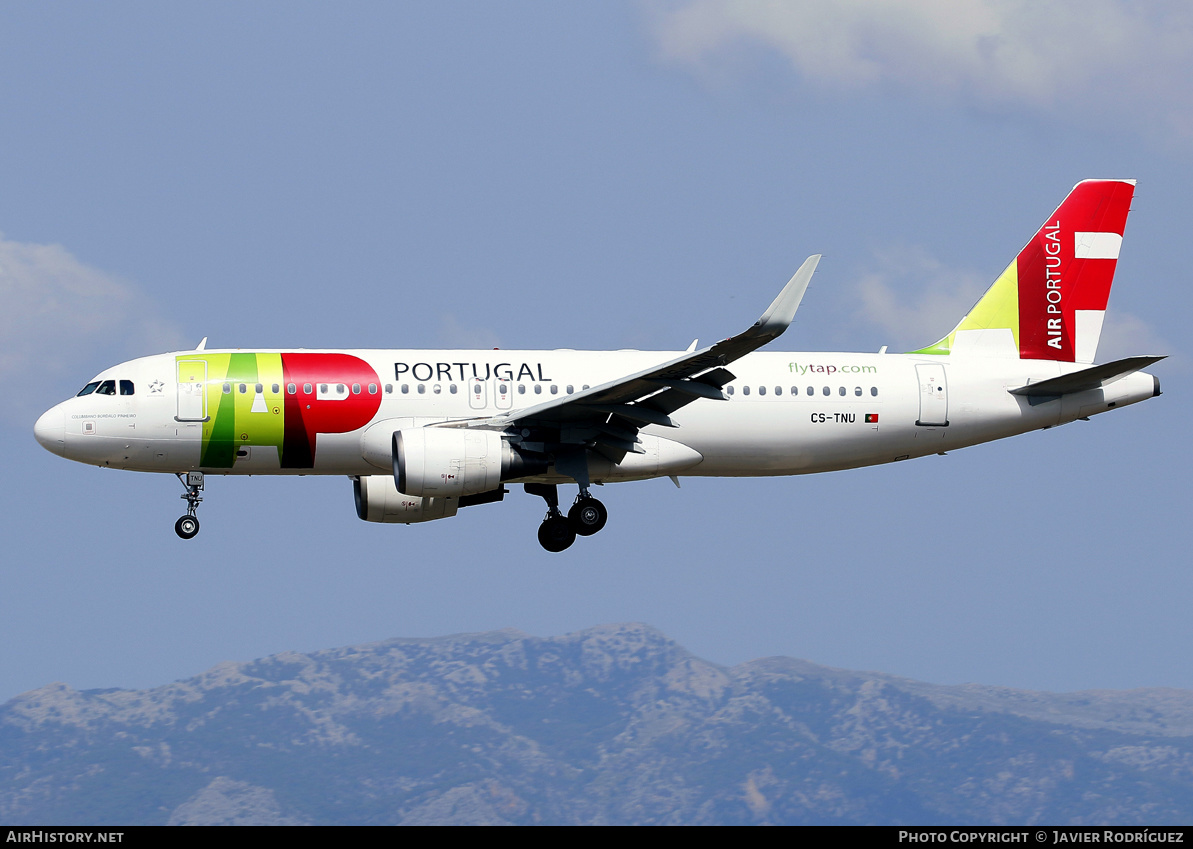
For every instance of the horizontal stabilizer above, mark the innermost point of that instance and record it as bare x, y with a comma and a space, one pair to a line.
1086, 379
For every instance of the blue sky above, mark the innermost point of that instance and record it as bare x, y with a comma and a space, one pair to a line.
590, 175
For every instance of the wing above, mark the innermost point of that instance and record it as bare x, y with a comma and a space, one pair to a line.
607, 418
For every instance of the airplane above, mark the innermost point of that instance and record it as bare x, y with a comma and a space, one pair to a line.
423, 433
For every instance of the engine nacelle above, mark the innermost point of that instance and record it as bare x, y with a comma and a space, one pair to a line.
377, 500
453, 462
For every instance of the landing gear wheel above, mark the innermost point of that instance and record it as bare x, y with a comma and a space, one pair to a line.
556, 533
588, 516
186, 527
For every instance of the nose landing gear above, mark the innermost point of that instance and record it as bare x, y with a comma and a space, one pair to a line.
187, 526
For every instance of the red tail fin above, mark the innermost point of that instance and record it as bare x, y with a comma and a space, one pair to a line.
1049, 302
1066, 270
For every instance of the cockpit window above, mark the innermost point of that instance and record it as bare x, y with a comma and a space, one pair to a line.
88, 389
108, 387
126, 387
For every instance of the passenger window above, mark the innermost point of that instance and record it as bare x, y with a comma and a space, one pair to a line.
258, 388
422, 389
108, 387
745, 390
405, 388
778, 390
306, 389
227, 388
274, 388
476, 389
126, 387
503, 387
389, 389
554, 389
857, 390
372, 388
569, 389
521, 388
340, 388
291, 389
761, 390
729, 389
795, 391
538, 389
437, 389
452, 389
322, 388
827, 391
811, 391
841, 391
243, 389
356, 389
88, 389
874, 391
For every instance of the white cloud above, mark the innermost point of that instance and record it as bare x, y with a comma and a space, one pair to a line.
1126, 335
60, 319
1096, 58
915, 298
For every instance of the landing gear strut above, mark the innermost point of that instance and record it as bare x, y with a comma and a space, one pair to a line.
188, 525
557, 532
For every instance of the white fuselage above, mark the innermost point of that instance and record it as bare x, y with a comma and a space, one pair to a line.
786, 413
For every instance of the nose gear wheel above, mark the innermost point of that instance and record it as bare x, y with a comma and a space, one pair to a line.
186, 527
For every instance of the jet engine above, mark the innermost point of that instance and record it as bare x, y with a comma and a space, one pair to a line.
377, 500
435, 462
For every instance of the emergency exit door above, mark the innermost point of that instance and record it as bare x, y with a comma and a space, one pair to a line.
934, 395
192, 391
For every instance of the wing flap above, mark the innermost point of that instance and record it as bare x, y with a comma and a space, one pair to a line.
643, 414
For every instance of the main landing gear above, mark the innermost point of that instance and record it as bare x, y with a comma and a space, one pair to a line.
557, 531
587, 515
188, 525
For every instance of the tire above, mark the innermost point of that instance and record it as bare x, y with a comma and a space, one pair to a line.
187, 527
588, 516
556, 534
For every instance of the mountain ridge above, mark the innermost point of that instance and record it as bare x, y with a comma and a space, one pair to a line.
612, 724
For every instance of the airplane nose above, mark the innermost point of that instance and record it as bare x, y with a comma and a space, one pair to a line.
50, 430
